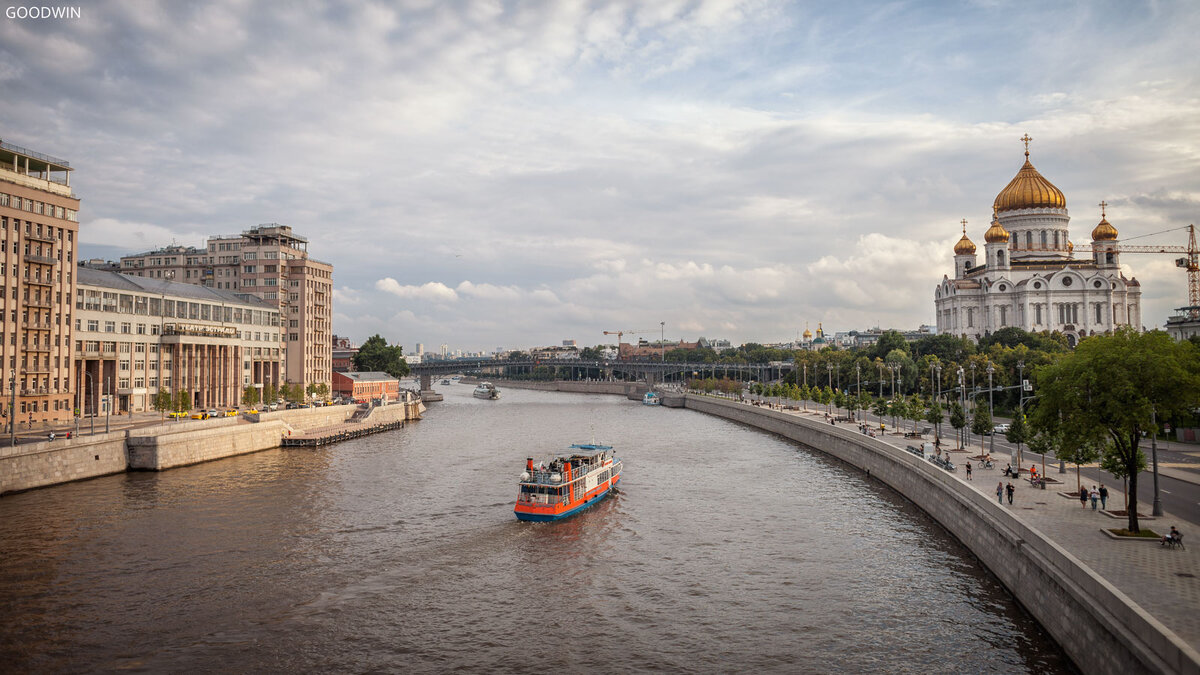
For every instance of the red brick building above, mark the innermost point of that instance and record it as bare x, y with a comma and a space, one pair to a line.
366, 386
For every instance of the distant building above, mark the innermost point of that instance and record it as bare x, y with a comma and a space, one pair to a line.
343, 354
719, 345
553, 353
1185, 324
272, 263
366, 386
569, 343
645, 350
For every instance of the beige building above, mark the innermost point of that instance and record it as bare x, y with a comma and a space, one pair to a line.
272, 263
39, 232
135, 335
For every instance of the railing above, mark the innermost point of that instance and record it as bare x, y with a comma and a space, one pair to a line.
37, 281
40, 259
44, 304
44, 238
34, 155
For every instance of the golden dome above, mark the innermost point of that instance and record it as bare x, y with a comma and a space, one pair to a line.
807, 334
996, 233
1070, 246
1104, 230
1029, 190
964, 246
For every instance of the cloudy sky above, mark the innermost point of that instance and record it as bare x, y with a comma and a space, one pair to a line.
491, 174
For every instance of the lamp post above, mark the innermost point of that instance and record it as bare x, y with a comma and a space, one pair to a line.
12, 407
91, 379
858, 383
937, 427
829, 367
1020, 406
992, 436
1157, 509
107, 402
962, 402
662, 340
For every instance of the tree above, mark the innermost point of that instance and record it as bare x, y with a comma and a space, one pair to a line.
933, 415
376, 356
163, 402
250, 395
183, 401
292, 391
982, 426
880, 408
270, 394
958, 420
1018, 433
1110, 387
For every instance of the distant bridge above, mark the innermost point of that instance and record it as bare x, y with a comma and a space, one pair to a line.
648, 371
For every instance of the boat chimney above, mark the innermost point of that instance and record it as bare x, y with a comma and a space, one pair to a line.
529, 464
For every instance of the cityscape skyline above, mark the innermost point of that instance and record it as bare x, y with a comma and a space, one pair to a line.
483, 175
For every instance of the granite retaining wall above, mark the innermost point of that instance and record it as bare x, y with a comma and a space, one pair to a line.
1098, 626
32, 465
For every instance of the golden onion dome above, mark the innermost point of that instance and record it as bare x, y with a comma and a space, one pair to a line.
964, 246
1070, 246
1029, 189
1104, 230
996, 233
807, 333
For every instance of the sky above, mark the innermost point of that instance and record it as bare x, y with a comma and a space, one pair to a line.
511, 174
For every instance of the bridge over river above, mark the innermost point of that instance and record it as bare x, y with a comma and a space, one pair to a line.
650, 372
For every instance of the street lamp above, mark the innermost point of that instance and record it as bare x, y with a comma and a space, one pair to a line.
12, 407
1158, 509
991, 436
858, 384
962, 398
937, 427
829, 367
107, 402
91, 379
1020, 408
662, 339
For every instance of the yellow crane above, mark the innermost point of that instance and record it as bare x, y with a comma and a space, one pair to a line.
619, 333
1191, 262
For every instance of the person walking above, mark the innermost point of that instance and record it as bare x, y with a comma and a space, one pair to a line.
1095, 497
1010, 492
968, 470
1103, 497
1000, 492
1083, 497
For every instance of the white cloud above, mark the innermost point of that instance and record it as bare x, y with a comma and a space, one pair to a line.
433, 290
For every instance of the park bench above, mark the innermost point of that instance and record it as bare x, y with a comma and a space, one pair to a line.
1177, 540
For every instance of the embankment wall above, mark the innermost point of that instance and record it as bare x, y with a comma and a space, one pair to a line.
1101, 629
23, 467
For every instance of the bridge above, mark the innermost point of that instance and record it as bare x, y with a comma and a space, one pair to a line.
650, 372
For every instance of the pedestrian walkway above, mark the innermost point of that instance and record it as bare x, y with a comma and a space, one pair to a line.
1163, 582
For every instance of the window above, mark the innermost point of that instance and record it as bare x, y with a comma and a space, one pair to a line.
110, 326
126, 328
93, 325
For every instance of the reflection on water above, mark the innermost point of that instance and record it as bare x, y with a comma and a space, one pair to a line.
723, 549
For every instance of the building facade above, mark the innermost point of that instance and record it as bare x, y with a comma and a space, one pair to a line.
136, 335
272, 263
366, 386
39, 233
1029, 277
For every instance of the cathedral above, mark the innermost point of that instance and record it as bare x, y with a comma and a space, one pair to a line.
1029, 277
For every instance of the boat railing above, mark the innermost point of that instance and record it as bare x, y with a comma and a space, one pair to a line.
540, 499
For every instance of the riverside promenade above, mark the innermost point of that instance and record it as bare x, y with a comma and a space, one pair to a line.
1163, 582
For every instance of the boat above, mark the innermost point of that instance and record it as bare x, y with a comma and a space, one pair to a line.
486, 390
652, 398
568, 483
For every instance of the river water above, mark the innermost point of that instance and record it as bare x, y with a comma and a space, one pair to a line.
725, 549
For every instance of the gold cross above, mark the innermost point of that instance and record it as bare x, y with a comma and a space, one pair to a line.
1026, 139
1103, 206
964, 224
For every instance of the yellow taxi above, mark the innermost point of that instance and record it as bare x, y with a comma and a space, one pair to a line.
200, 415
177, 415
231, 413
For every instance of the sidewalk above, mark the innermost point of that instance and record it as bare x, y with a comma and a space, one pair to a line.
1163, 582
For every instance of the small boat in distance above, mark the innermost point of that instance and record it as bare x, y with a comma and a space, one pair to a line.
652, 398
486, 390
568, 483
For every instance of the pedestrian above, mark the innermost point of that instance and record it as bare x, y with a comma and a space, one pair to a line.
1083, 497
1010, 492
968, 469
1095, 496
1000, 492
1103, 497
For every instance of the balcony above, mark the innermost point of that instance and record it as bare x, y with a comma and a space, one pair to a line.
35, 370
44, 304
37, 348
40, 259
40, 391
36, 325
37, 281
44, 238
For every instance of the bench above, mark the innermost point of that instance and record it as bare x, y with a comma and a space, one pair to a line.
911, 434
1177, 540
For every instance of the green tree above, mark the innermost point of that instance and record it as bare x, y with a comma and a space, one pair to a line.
292, 391
958, 420
880, 408
1110, 387
933, 415
890, 341
981, 425
1018, 433
183, 401
270, 394
250, 395
376, 356
163, 402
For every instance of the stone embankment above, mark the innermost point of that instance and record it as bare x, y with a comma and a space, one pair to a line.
178, 443
1097, 624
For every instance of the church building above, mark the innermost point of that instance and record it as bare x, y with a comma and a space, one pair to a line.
1029, 277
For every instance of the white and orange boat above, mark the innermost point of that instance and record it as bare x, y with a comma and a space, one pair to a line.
568, 483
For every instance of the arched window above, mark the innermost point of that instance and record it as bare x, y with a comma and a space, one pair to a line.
1043, 239
1029, 240
1000, 258
1056, 240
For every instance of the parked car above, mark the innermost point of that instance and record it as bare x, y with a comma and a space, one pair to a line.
214, 412
200, 415
231, 413
1003, 428
177, 415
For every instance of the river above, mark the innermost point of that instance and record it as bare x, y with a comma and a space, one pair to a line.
725, 549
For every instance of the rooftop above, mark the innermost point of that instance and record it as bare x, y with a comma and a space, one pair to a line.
370, 376
124, 282
35, 169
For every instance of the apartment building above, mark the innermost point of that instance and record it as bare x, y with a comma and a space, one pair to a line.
39, 233
269, 262
136, 335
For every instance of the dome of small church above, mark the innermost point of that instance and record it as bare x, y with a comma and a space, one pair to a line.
1104, 230
1029, 190
996, 233
807, 334
964, 246
1070, 246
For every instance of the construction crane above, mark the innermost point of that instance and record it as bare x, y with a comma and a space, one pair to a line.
619, 333
1191, 262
